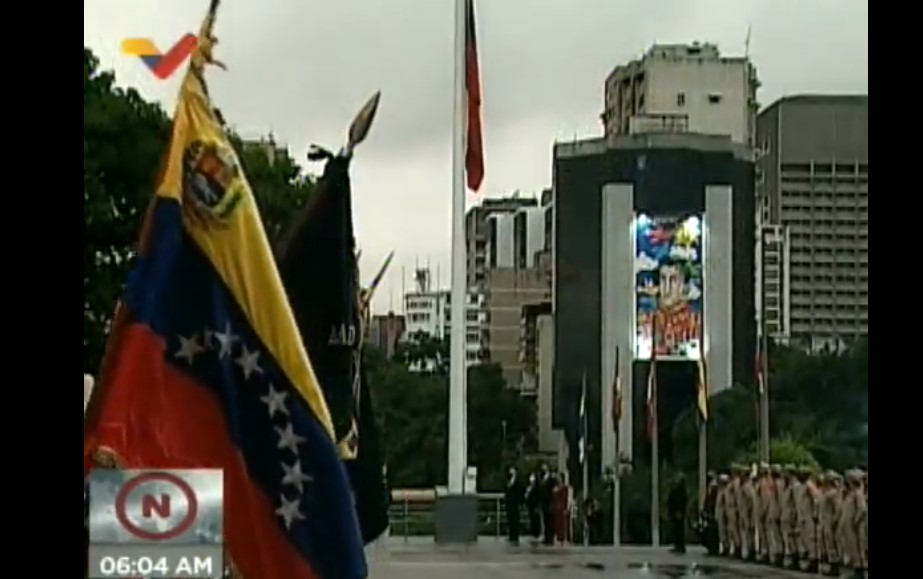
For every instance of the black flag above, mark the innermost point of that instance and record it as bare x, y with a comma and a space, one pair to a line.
319, 270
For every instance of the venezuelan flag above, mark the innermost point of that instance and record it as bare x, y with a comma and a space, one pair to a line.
206, 368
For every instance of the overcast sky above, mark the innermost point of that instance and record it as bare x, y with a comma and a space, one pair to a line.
301, 69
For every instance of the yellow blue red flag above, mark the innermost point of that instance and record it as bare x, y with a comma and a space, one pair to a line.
206, 366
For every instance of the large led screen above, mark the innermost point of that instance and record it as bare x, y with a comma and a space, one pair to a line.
668, 286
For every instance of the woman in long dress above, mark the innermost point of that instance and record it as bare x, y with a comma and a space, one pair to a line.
560, 511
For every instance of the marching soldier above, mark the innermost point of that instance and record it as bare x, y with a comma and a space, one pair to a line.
774, 516
747, 513
807, 502
721, 515
829, 512
864, 522
763, 499
854, 511
788, 517
732, 511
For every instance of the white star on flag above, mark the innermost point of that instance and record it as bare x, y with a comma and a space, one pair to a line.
275, 400
225, 341
188, 348
247, 362
289, 512
293, 476
288, 439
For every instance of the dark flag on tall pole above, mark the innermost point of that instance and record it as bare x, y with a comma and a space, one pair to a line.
474, 141
652, 382
319, 269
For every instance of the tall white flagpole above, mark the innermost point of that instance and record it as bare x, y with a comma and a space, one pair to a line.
458, 390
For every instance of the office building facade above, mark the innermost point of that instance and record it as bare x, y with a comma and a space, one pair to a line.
813, 182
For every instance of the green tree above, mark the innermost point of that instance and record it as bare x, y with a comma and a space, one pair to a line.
412, 407
783, 450
124, 140
501, 424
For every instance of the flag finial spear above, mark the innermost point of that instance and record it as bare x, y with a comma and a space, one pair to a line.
359, 129
204, 52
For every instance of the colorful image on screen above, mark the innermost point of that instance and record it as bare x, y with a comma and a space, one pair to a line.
668, 285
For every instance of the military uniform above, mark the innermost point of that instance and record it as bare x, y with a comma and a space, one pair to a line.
721, 515
807, 504
732, 510
864, 521
788, 517
763, 498
854, 511
830, 501
747, 506
774, 516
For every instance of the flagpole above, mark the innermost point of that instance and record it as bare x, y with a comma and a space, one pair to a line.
764, 396
616, 424
702, 387
584, 458
654, 427
458, 452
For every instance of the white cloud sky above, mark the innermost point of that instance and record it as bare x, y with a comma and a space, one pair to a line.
301, 69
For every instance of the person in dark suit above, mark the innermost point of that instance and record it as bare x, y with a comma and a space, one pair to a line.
677, 501
533, 506
513, 499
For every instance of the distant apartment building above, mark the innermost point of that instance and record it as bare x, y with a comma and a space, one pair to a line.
507, 241
812, 181
385, 331
427, 311
480, 229
773, 264
507, 291
682, 88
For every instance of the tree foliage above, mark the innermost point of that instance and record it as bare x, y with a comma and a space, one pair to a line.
818, 414
412, 407
124, 140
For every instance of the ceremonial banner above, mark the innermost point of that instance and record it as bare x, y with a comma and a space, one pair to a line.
320, 273
205, 367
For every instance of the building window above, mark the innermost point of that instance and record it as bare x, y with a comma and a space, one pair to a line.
681, 99
714, 98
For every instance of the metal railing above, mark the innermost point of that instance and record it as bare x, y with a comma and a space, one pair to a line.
416, 516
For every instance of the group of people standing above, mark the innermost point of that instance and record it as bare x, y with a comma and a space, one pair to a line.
548, 501
792, 517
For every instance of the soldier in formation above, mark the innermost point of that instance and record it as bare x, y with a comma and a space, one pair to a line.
794, 517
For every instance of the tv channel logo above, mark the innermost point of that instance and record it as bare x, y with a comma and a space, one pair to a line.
161, 506
161, 64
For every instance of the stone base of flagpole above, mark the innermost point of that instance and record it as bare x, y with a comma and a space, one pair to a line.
456, 519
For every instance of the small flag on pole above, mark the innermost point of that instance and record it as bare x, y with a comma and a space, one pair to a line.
474, 144
652, 381
581, 423
759, 362
617, 392
702, 390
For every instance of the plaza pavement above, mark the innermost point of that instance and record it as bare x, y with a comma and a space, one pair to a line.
421, 558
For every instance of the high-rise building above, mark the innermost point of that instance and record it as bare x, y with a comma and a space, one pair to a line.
506, 244
682, 88
773, 264
480, 229
385, 331
812, 180
427, 310
649, 225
